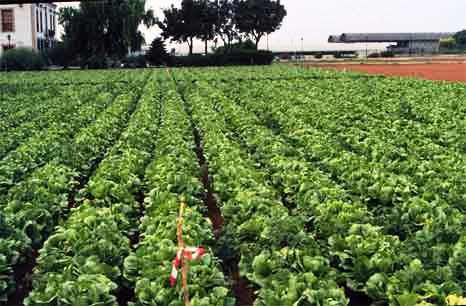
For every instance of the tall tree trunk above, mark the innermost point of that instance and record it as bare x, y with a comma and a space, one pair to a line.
228, 44
225, 44
190, 43
205, 47
257, 39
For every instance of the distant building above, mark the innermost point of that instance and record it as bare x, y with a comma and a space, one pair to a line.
27, 25
405, 43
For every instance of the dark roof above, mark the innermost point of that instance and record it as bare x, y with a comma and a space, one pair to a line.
334, 39
387, 37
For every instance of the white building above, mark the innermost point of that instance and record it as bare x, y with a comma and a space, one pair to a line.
27, 25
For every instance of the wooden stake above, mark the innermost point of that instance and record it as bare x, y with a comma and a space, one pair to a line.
181, 246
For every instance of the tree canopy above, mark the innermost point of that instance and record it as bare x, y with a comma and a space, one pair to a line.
157, 54
226, 27
227, 19
257, 18
105, 28
110, 28
182, 24
460, 38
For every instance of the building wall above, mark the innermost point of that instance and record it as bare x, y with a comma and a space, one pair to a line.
32, 25
424, 46
44, 23
416, 47
22, 34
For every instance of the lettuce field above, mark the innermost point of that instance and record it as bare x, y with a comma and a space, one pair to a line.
304, 187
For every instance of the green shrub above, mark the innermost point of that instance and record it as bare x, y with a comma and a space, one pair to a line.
96, 62
246, 46
157, 54
234, 58
22, 59
460, 39
59, 55
448, 43
387, 54
135, 61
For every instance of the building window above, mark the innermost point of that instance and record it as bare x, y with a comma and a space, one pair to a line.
8, 22
40, 44
41, 22
46, 19
37, 20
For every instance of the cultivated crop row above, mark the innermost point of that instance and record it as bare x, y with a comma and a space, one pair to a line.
275, 251
423, 223
22, 107
60, 109
304, 187
81, 262
174, 176
33, 207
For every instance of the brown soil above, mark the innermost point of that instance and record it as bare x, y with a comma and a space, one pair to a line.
245, 295
359, 298
242, 289
454, 72
23, 280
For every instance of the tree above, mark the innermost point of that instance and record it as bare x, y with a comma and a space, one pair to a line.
225, 27
460, 38
157, 54
106, 28
240, 46
257, 18
58, 55
136, 15
182, 24
208, 19
74, 36
448, 43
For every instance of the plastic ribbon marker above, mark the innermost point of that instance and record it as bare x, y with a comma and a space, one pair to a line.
182, 255
188, 253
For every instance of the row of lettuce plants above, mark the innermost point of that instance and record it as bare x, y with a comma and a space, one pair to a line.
172, 177
33, 207
276, 253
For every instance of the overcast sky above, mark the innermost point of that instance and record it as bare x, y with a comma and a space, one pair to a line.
314, 21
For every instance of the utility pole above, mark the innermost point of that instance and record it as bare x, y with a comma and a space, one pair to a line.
367, 51
296, 51
302, 48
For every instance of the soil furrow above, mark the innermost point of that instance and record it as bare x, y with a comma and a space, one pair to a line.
243, 290
23, 272
126, 294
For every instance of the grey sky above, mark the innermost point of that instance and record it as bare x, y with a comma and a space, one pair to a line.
314, 21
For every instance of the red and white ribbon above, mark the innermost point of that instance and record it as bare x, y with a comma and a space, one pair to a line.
188, 253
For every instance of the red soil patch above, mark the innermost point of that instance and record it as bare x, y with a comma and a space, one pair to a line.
454, 72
